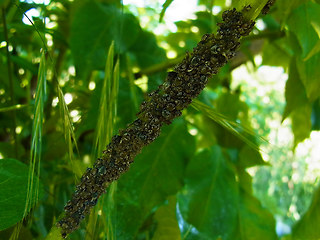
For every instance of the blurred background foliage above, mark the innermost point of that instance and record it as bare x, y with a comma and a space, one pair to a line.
243, 166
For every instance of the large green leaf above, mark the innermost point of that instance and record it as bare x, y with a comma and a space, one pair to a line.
308, 226
255, 222
218, 205
156, 174
299, 22
249, 157
211, 195
304, 23
93, 28
13, 188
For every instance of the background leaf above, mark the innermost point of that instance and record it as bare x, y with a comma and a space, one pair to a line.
307, 227
299, 23
295, 91
93, 28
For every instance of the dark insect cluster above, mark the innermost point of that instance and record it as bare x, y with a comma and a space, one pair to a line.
161, 106
267, 7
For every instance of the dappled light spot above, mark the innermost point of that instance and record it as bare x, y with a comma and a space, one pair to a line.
75, 115
86, 159
68, 98
171, 54
55, 102
30, 13
3, 44
194, 29
182, 44
18, 129
193, 131
142, 83
21, 71
92, 85
36, 60
260, 25
72, 70
216, 10
49, 40
46, 2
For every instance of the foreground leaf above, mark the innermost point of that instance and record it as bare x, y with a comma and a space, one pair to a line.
167, 225
13, 188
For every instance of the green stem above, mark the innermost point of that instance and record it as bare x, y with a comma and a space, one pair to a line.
255, 9
10, 76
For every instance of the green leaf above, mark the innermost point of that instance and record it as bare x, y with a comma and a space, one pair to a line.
210, 197
308, 226
301, 123
217, 204
93, 28
13, 188
295, 92
310, 75
249, 157
156, 174
275, 55
299, 23
255, 222
147, 51
167, 225
316, 48
164, 8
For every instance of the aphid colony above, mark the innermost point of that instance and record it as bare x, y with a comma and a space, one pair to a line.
161, 106
267, 7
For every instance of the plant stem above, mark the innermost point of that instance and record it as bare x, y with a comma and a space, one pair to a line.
10, 76
235, 62
161, 107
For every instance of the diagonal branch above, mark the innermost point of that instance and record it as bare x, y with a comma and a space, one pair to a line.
182, 85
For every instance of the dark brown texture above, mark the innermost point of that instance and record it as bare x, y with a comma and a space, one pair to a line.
267, 7
182, 85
